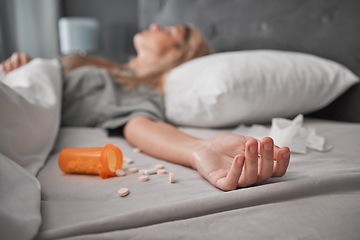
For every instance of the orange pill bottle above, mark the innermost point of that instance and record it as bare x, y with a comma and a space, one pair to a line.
102, 161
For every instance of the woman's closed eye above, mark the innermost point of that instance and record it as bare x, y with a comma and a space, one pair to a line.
175, 31
170, 30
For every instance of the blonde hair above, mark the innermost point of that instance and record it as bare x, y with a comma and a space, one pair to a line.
193, 46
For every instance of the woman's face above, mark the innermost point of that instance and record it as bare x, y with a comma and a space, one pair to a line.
159, 42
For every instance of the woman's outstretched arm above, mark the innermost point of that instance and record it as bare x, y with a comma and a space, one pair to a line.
227, 161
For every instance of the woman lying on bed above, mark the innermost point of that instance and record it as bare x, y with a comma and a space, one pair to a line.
104, 94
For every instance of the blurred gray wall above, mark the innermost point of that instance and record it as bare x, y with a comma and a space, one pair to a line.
36, 27
118, 24
31, 26
7, 26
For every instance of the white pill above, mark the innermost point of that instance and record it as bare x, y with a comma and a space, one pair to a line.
159, 166
112, 170
161, 171
123, 192
128, 160
171, 177
142, 171
136, 150
133, 170
143, 178
150, 171
120, 173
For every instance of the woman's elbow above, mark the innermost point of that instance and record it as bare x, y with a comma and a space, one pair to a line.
133, 127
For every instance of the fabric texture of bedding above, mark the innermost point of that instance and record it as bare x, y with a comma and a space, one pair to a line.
226, 89
20, 198
316, 199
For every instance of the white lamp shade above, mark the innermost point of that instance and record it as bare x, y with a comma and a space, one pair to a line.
78, 35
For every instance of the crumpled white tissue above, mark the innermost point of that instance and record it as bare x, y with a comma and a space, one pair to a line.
290, 133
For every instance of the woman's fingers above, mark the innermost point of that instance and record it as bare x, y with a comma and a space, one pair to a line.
282, 162
10, 64
266, 161
3, 67
24, 59
272, 161
15, 61
251, 168
250, 171
230, 182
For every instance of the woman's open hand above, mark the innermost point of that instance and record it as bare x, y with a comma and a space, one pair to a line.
229, 161
15, 61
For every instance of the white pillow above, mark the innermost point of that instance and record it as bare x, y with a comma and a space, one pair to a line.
226, 89
30, 105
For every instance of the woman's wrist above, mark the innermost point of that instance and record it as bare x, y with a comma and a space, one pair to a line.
196, 146
200, 147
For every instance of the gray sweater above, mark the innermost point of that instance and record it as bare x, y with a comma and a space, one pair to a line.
91, 98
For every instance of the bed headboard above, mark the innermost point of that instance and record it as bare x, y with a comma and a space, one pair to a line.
327, 28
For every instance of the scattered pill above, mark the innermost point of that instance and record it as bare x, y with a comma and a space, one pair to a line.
143, 178
112, 170
128, 160
171, 177
161, 171
120, 173
136, 150
159, 166
133, 170
142, 171
150, 171
123, 192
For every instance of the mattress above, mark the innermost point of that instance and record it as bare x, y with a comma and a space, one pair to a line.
318, 198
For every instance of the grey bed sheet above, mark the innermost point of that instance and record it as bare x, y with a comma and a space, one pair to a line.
318, 198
